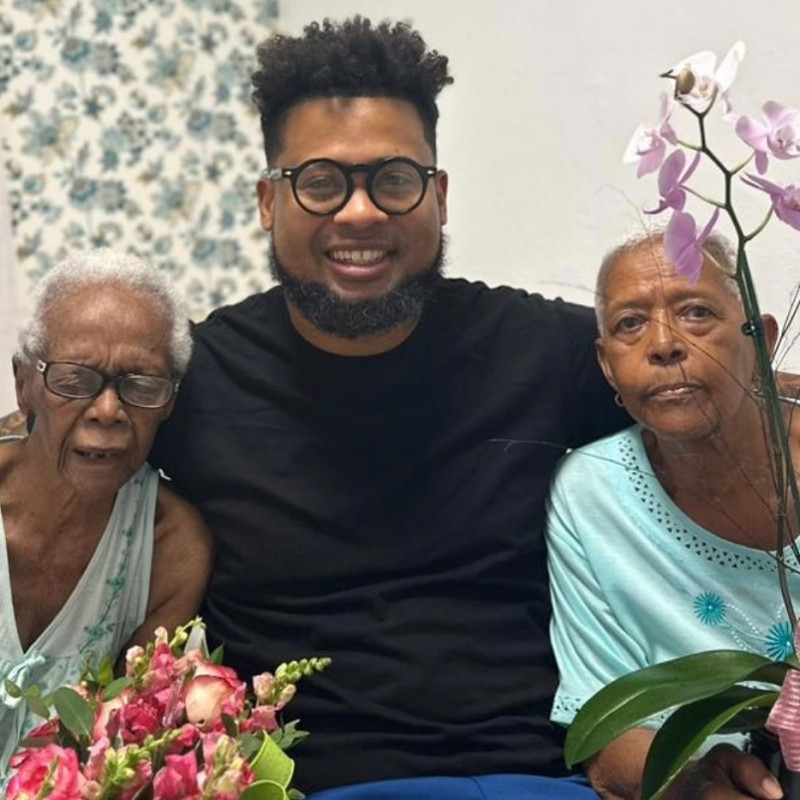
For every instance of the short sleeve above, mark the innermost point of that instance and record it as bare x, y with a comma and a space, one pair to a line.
589, 641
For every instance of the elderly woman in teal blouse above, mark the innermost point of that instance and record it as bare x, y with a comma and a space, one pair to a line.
95, 552
662, 538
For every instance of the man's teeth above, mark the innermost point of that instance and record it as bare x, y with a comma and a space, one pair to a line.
358, 257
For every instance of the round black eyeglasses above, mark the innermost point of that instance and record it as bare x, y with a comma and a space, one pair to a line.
79, 382
322, 186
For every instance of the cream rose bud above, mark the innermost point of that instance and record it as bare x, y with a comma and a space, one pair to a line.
213, 691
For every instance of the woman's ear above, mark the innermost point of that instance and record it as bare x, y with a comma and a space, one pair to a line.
22, 385
601, 359
771, 332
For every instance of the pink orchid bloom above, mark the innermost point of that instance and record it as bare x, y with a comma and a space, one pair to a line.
649, 143
709, 81
779, 134
683, 246
671, 178
785, 199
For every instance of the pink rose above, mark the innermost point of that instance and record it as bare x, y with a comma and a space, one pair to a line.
139, 719
106, 716
213, 691
66, 778
177, 779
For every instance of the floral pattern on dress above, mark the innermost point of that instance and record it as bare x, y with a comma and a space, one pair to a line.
129, 124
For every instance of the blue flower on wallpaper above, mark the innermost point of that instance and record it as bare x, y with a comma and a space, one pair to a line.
128, 123
76, 53
710, 608
778, 643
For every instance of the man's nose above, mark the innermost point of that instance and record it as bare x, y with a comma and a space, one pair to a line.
360, 211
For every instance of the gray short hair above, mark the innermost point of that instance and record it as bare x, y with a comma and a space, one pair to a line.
81, 270
717, 250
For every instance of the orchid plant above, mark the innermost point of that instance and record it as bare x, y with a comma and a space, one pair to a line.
178, 726
725, 690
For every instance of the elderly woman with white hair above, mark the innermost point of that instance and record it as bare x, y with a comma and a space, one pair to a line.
95, 552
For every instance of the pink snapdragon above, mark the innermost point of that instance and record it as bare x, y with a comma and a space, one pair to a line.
648, 145
177, 779
699, 81
51, 766
683, 245
778, 134
785, 199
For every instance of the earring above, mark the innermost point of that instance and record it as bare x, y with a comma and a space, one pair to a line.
618, 400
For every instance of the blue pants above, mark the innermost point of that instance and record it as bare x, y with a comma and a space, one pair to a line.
484, 787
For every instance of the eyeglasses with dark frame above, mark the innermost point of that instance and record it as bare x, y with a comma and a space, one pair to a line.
79, 382
323, 186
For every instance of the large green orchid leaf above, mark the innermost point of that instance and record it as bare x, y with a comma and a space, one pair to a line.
632, 699
687, 729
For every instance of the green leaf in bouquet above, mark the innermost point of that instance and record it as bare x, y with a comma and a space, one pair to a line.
217, 655
114, 688
272, 764
250, 744
75, 712
685, 731
36, 703
288, 735
229, 723
632, 699
12, 690
105, 672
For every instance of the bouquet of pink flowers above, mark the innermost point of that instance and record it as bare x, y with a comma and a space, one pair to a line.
177, 726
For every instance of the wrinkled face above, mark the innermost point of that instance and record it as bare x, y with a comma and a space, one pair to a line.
360, 252
96, 445
675, 351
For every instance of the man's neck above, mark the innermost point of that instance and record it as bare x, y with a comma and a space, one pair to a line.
370, 345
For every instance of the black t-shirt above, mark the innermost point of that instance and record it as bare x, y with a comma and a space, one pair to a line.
387, 511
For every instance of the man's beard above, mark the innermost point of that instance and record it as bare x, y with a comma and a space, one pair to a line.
350, 319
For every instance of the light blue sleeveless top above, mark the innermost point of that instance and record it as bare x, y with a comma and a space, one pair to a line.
106, 606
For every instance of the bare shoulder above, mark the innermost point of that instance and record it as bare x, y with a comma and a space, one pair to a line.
176, 516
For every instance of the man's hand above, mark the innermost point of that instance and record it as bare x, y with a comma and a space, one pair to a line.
725, 773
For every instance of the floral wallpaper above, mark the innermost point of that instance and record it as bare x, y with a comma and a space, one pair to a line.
128, 124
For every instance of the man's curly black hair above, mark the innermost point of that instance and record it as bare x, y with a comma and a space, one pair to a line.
352, 58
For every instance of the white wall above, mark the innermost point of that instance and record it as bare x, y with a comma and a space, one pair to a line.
546, 96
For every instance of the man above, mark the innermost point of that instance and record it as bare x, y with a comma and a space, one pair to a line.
371, 443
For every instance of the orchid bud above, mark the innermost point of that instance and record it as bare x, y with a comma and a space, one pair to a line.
685, 81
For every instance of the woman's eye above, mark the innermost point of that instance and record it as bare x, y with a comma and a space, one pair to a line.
697, 312
628, 324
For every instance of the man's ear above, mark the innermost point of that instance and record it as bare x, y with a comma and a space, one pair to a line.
266, 200
440, 183
601, 359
